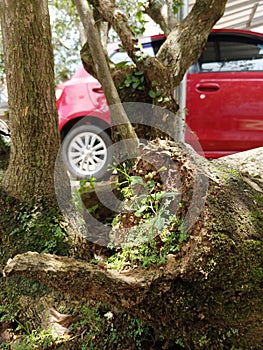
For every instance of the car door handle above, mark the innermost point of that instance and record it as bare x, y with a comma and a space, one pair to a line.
207, 87
98, 90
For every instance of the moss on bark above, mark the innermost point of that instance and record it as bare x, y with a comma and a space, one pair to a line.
210, 295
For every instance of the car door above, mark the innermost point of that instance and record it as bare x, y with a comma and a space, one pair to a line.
225, 94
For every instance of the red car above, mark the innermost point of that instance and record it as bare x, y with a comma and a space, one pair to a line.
224, 102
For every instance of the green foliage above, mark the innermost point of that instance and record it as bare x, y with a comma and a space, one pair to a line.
36, 338
157, 94
103, 329
176, 4
157, 231
87, 184
95, 327
143, 255
8, 303
135, 81
137, 18
65, 24
38, 228
12, 305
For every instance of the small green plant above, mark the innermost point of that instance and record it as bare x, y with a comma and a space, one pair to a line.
157, 94
137, 331
176, 4
144, 198
84, 186
155, 231
135, 81
139, 27
38, 229
87, 184
33, 339
100, 328
172, 241
7, 312
144, 255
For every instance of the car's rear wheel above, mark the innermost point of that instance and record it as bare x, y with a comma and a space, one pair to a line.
86, 153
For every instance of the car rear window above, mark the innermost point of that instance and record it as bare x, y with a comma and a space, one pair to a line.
150, 48
231, 53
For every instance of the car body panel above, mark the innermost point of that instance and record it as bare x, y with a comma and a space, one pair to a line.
224, 95
227, 118
81, 96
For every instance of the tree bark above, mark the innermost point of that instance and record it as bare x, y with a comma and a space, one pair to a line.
32, 109
36, 172
154, 9
186, 41
119, 118
211, 290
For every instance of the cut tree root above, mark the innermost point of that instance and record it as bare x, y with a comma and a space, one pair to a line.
208, 293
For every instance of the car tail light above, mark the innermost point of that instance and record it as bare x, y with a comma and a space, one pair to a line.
58, 93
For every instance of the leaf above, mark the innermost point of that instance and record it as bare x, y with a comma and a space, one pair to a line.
183, 237
139, 212
135, 85
134, 79
159, 224
152, 94
139, 72
139, 15
167, 195
159, 92
122, 64
142, 197
136, 180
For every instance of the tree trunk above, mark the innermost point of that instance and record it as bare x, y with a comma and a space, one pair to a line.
35, 173
208, 294
119, 118
33, 116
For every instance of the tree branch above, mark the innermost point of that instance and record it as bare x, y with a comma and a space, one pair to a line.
154, 10
104, 76
119, 22
185, 43
81, 278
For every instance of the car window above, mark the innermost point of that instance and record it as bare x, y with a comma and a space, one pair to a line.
223, 54
150, 48
122, 56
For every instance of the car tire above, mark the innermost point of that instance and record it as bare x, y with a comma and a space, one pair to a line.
86, 152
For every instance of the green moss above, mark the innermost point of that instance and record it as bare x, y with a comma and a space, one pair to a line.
259, 199
229, 173
38, 228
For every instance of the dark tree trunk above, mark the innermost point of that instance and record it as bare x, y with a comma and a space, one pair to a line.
35, 173
33, 116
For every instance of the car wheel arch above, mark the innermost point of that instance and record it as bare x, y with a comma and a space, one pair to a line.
85, 120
